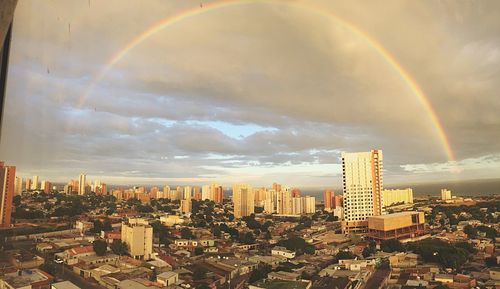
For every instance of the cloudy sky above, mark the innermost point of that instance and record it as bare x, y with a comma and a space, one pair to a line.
256, 92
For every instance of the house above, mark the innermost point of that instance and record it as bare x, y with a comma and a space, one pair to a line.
271, 284
282, 251
71, 256
283, 275
64, 285
28, 278
168, 278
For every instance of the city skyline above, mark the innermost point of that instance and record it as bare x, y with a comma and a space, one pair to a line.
257, 101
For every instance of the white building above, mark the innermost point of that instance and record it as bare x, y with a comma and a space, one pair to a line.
243, 200
282, 251
18, 186
138, 235
396, 196
362, 188
34, 183
82, 182
445, 194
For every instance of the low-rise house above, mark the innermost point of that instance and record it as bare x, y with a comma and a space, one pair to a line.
168, 278
282, 251
72, 255
356, 265
26, 279
274, 284
283, 275
443, 278
64, 285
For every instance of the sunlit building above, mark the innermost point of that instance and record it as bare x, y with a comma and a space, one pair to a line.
243, 200
396, 226
82, 181
34, 183
445, 194
362, 188
309, 204
18, 186
7, 179
328, 199
186, 206
218, 194
397, 196
45, 186
138, 235
27, 185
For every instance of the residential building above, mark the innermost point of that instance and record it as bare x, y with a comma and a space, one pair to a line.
82, 181
34, 183
396, 196
26, 279
309, 204
7, 179
396, 226
138, 235
362, 188
28, 184
218, 194
328, 199
186, 206
243, 200
64, 285
445, 194
45, 187
18, 186
282, 251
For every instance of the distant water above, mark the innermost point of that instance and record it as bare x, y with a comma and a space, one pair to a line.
470, 188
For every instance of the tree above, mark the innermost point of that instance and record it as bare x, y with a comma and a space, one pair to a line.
343, 255
186, 233
203, 286
309, 249
119, 248
100, 247
392, 245
247, 238
490, 262
260, 273
470, 231
367, 252
216, 231
198, 251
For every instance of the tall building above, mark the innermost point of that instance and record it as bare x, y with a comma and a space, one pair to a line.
186, 206
45, 186
309, 204
206, 192
328, 199
284, 202
297, 208
187, 192
34, 183
243, 200
218, 194
82, 181
445, 194
18, 186
362, 187
138, 235
28, 184
7, 179
296, 193
276, 187
397, 196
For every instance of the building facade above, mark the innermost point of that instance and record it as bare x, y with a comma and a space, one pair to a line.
396, 226
362, 188
138, 235
243, 200
7, 179
396, 196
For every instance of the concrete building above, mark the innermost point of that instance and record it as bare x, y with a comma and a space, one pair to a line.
34, 183
396, 196
284, 202
243, 200
218, 193
45, 186
362, 188
297, 208
187, 192
18, 186
401, 225
309, 204
186, 206
138, 235
64, 285
445, 194
82, 181
28, 184
7, 179
26, 279
328, 199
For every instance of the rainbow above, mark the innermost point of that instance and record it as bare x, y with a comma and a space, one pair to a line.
206, 8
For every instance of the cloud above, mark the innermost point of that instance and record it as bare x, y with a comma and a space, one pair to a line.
259, 93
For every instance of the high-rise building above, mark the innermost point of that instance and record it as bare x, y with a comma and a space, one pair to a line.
34, 183
243, 200
445, 194
205, 192
309, 204
284, 202
297, 208
338, 202
45, 186
187, 192
277, 187
218, 194
18, 186
296, 193
82, 182
28, 184
186, 206
138, 235
396, 196
7, 179
328, 199
197, 193
362, 187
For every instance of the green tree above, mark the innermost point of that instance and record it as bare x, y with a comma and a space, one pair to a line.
119, 248
392, 245
198, 251
260, 273
100, 247
186, 233
342, 255
470, 231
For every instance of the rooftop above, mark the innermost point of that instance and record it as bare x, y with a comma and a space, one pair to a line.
280, 284
64, 285
396, 215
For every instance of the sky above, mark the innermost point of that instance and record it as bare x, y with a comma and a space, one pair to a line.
262, 92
